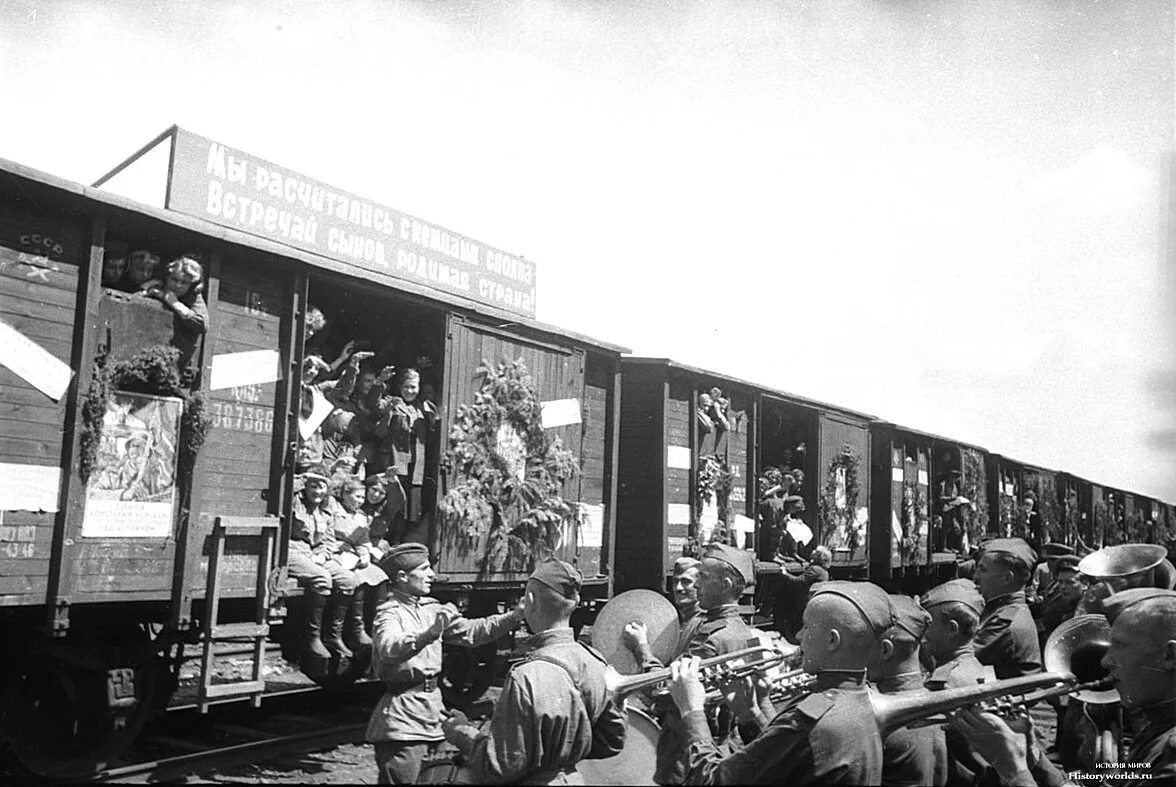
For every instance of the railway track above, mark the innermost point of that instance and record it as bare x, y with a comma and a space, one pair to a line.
184, 743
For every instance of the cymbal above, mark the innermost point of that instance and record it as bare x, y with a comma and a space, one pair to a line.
1122, 560
652, 609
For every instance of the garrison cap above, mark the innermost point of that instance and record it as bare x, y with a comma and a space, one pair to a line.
1015, 548
1115, 604
961, 591
1054, 550
405, 557
869, 599
316, 473
684, 564
739, 559
1067, 563
561, 577
909, 616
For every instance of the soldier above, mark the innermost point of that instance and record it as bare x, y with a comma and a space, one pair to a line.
828, 737
723, 575
910, 756
1142, 659
635, 635
312, 561
554, 709
1007, 639
955, 608
406, 655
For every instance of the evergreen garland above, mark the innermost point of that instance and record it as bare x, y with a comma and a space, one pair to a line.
522, 518
831, 516
93, 413
975, 483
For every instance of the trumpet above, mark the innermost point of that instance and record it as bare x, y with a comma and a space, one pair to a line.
729, 666
917, 710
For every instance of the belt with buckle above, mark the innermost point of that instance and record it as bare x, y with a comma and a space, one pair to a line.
425, 684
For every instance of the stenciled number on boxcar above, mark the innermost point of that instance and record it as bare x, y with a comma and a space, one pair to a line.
227, 415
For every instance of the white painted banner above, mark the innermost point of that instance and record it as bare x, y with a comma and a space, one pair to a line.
33, 363
743, 524
560, 412
678, 457
319, 412
678, 514
29, 487
233, 370
591, 525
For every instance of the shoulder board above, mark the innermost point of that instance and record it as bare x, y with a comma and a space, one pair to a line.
711, 626
427, 600
815, 705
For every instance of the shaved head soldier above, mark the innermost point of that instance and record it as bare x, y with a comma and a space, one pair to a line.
827, 737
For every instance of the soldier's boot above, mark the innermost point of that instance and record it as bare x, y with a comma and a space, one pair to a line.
315, 602
357, 636
333, 627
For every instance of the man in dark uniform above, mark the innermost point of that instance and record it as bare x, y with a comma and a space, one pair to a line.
827, 737
955, 608
554, 709
1142, 659
723, 574
406, 655
910, 755
1007, 639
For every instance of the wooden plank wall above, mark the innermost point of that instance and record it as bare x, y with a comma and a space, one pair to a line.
640, 469
556, 374
236, 457
679, 495
40, 258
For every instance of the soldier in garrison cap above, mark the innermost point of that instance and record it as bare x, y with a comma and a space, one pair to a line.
827, 737
1007, 639
910, 756
554, 709
1045, 571
723, 574
1142, 659
407, 635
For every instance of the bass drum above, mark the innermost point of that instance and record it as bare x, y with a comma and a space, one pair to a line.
635, 763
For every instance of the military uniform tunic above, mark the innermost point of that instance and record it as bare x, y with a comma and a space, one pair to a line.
553, 712
722, 631
962, 670
410, 709
912, 756
828, 737
1007, 639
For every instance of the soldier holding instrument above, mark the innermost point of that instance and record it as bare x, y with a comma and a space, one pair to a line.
828, 737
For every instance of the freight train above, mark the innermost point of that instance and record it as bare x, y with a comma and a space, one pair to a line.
139, 525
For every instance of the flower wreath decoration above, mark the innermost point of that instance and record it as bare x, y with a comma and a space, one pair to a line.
831, 515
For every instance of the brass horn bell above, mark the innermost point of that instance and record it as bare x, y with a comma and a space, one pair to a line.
1122, 562
1078, 645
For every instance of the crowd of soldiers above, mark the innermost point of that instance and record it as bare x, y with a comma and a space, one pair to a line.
857, 643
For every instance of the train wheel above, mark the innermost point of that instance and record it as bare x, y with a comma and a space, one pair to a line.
70, 710
466, 673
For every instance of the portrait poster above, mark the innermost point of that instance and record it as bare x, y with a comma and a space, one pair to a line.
132, 488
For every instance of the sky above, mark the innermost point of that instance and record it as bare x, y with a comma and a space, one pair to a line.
948, 214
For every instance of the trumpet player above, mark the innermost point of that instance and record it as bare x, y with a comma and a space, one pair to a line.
912, 756
1007, 639
830, 736
1142, 659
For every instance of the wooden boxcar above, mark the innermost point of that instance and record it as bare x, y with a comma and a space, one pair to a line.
665, 447
96, 613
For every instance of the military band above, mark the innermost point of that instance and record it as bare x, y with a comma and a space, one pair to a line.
897, 690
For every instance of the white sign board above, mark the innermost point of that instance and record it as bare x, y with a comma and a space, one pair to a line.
33, 363
233, 370
29, 487
678, 457
678, 514
560, 412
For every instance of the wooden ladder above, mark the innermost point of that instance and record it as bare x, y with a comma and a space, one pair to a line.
266, 529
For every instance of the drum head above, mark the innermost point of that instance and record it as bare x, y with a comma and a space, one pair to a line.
635, 763
652, 609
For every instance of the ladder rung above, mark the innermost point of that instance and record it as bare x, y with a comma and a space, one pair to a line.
224, 630
234, 689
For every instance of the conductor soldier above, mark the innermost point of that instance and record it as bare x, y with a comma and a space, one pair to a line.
406, 655
828, 737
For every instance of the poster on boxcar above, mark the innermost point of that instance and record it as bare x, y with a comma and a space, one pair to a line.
132, 488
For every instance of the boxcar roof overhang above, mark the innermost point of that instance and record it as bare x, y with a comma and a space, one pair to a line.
107, 202
672, 365
935, 438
